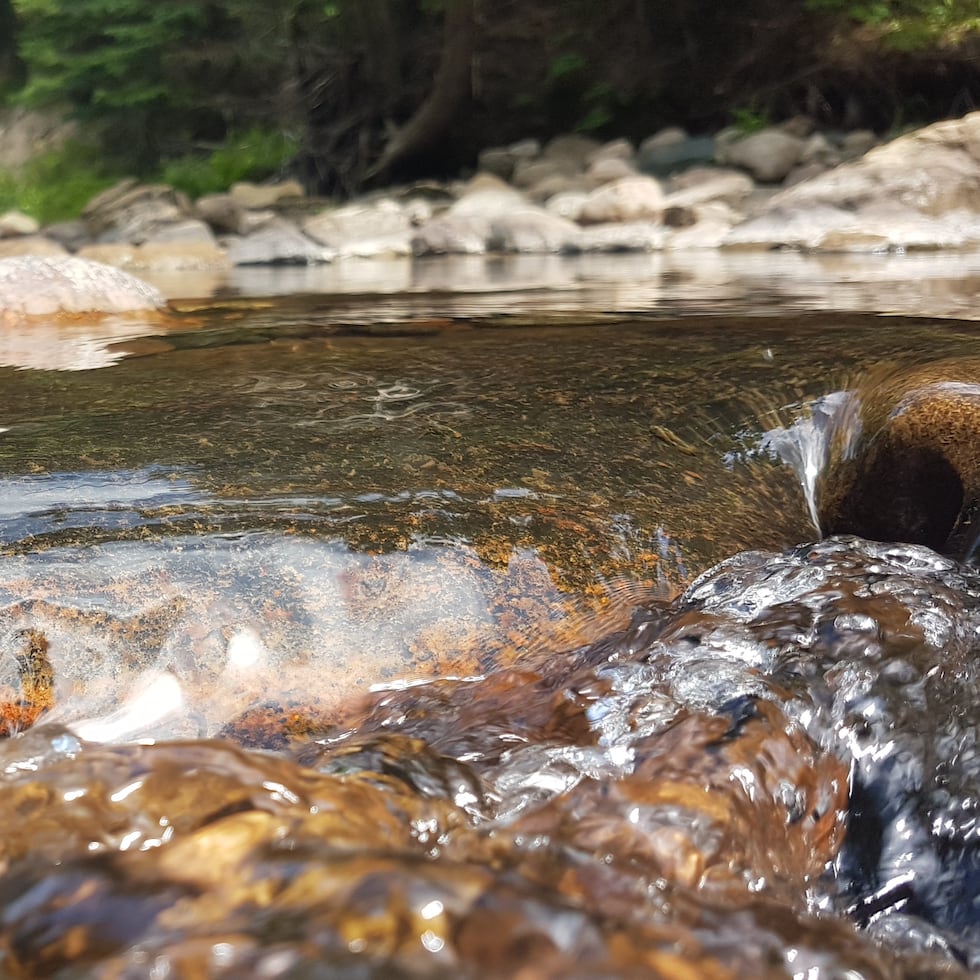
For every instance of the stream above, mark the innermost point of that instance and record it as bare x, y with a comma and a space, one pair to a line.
488, 617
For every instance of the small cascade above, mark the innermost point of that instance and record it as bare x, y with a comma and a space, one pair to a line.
832, 425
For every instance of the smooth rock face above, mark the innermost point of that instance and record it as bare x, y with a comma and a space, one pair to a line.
277, 242
363, 230
627, 199
919, 191
33, 285
769, 155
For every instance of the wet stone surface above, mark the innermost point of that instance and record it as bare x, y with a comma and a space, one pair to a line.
673, 797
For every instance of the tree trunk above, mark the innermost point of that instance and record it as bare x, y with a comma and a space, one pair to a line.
450, 91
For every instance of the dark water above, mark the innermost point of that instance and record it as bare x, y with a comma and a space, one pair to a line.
365, 636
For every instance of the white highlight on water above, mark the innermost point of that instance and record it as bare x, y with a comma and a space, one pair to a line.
832, 425
158, 697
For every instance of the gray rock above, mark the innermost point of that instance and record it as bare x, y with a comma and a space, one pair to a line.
604, 170
132, 212
71, 234
278, 242
804, 171
527, 173
571, 152
665, 153
819, 149
488, 197
709, 184
558, 184
668, 136
452, 234
857, 142
189, 231
931, 171
525, 149
621, 149
780, 227
497, 160
222, 212
532, 230
800, 126
627, 199
160, 256
768, 155
380, 227
35, 286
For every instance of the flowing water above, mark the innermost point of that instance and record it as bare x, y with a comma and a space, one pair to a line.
471, 618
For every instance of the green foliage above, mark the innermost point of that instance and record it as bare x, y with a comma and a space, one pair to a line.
252, 155
600, 105
104, 54
57, 185
909, 25
750, 120
566, 64
157, 78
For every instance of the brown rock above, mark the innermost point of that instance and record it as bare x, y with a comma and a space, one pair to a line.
907, 466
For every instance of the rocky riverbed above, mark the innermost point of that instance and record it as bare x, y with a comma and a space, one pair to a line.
788, 186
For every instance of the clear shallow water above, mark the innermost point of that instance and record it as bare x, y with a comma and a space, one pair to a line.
250, 518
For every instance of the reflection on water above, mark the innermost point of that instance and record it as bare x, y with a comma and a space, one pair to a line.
410, 294
353, 630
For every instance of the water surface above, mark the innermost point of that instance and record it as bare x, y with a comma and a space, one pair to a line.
317, 484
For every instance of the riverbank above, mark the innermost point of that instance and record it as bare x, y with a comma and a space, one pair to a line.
789, 186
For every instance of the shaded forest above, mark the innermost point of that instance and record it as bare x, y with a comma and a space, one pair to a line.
359, 92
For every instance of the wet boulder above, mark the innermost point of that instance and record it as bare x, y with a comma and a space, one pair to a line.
904, 460
43, 285
872, 649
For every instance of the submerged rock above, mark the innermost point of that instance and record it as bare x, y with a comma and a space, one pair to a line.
40, 285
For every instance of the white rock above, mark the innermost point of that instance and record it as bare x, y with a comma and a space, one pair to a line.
627, 199
567, 204
278, 242
532, 230
35, 286
730, 186
384, 220
631, 236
